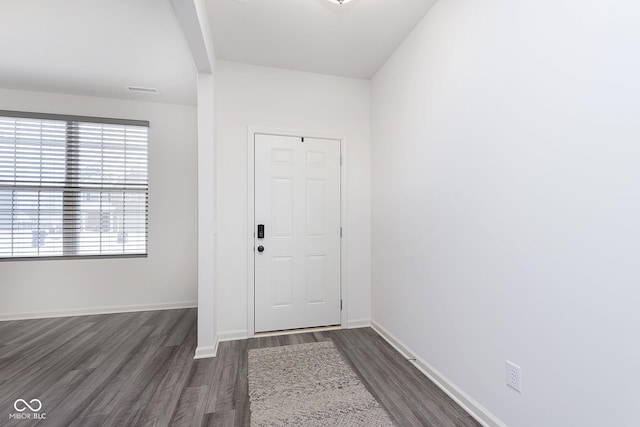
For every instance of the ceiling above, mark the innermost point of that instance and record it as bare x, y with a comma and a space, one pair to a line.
96, 47
100, 47
351, 40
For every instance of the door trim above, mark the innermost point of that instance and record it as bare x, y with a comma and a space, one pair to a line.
252, 131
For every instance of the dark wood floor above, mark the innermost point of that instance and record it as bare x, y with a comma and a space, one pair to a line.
138, 369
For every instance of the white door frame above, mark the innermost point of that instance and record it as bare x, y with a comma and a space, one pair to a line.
252, 131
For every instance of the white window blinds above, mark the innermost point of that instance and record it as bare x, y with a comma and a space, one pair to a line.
72, 186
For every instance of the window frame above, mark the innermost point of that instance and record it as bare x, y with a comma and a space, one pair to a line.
93, 120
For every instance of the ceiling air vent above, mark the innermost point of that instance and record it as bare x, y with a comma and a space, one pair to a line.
139, 89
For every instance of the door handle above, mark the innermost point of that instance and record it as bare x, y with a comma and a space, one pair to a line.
260, 248
260, 231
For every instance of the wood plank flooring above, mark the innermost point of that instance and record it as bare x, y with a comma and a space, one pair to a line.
137, 369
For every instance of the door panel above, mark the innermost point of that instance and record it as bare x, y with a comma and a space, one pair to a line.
316, 215
282, 281
282, 208
297, 198
316, 279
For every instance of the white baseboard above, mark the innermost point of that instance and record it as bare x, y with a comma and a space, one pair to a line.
206, 352
98, 310
358, 323
477, 411
241, 334
212, 351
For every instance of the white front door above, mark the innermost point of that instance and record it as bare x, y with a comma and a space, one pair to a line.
297, 232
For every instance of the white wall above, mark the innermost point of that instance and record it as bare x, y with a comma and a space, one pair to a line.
258, 96
506, 208
207, 330
193, 18
168, 276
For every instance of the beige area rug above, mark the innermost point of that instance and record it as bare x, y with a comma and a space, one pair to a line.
308, 385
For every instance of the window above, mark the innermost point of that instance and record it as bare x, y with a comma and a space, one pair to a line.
72, 186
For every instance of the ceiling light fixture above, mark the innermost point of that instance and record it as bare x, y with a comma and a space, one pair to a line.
339, 1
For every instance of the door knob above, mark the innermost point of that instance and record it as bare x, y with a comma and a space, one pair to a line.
260, 248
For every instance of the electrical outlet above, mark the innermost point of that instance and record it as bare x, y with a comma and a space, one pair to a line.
514, 376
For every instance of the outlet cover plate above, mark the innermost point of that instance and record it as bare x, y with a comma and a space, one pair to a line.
514, 376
